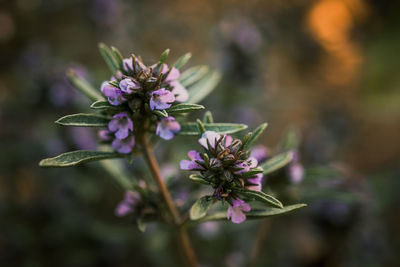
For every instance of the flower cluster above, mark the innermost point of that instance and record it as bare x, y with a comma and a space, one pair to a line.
228, 168
140, 92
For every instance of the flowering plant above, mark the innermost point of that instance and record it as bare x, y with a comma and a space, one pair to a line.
138, 106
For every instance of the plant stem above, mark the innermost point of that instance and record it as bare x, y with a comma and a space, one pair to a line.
155, 170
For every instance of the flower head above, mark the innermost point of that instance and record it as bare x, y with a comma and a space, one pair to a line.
161, 99
167, 128
127, 205
114, 95
235, 212
121, 125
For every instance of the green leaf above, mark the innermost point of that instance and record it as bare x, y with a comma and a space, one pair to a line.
117, 56
182, 60
103, 104
164, 56
109, 58
208, 118
200, 207
184, 108
192, 75
83, 86
204, 87
141, 224
253, 214
161, 113
277, 162
200, 126
256, 133
262, 197
84, 120
77, 157
198, 179
190, 128
252, 172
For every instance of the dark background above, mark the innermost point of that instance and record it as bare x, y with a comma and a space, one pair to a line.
329, 68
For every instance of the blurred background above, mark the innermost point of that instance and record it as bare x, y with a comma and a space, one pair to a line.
327, 68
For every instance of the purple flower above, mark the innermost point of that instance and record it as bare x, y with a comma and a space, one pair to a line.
126, 206
296, 173
256, 181
212, 138
129, 86
173, 74
113, 94
121, 124
167, 128
124, 146
236, 211
260, 153
180, 92
161, 99
127, 64
246, 165
192, 164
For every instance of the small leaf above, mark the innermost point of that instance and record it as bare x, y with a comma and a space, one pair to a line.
161, 113
200, 126
252, 172
253, 214
84, 120
261, 196
208, 118
200, 207
184, 108
103, 104
204, 87
192, 75
164, 56
256, 133
77, 157
108, 57
198, 179
182, 60
190, 128
277, 162
83, 86
117, 56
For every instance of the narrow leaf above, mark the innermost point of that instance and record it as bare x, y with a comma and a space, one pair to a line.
164, 56
253, 214
200, 126
182, 60
184, 108
84, 120
198, 179
200, 207
108, 57
261, 196
77, 157
204, 87
117, 56
256, 133
103, 104
161, 113
208, 118
190, 128
83, 86
192, 75
277, 162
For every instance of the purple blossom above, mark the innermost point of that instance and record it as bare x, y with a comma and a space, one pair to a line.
127, 205
121, 124
260, 153
180, 92
167, 128
192, 164
173, 74
161, 99
124, 146
129, 86
296, 173
246, 165
127, 64
235, 212
256, 181
113, 94
212, 138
